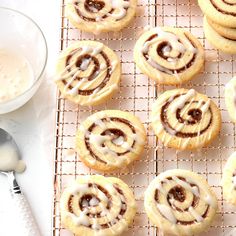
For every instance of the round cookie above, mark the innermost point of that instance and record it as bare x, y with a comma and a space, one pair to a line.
218, 41
97, 16
97, 205
229, 33
185, 120
169, 55
180, 202
110, 139
230, 98
88, 73
222, 12
229, 180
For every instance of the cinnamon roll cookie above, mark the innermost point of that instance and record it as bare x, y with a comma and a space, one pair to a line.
230, 98
228, 33
219, 39
222, 12
180, 202
98, 16
184, 119
229, 180
110, 139
88, 73
169, 55
97, 205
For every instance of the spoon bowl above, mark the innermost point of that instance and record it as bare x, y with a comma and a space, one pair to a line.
9, 154
9, 163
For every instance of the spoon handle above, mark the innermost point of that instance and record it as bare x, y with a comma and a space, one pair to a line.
29, 226
28, 223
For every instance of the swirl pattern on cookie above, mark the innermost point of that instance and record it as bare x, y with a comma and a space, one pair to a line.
180, 202
110, 139
222, 12
98, 16
96, 205
184, 119
230, 98
229, 180
169, 55
88, 73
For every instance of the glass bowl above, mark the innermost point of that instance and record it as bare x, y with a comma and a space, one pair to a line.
21, 34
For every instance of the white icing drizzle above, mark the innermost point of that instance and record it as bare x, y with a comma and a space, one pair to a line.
94, 201
82, 219
182, 100
208, 199
98, 139
74, 90
176, 46
159, 67
171, 37
119, 141
160, 188
100, 123
195, 214
85, 63
119, 7
206, 106
185, 185
167, 212
75, 72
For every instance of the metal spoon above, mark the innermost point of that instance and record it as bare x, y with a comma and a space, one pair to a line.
28, 223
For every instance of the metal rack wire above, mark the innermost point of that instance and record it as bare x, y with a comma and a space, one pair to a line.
136, 95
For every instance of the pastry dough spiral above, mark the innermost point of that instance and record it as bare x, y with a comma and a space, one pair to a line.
185, 119
97, 205
180, 202
222, 12
110, 139
169, 55
98, 16
88, 72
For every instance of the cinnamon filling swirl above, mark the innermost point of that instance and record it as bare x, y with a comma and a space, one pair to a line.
94, 73
178, 193
95, 6
218, 8
85, 203
160, 52
114, 132
195, 116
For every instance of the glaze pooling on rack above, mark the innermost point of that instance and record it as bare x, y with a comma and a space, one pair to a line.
101, 204
179, 200
108, 139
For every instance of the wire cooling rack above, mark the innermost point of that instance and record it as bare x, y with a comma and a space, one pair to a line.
136, 95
